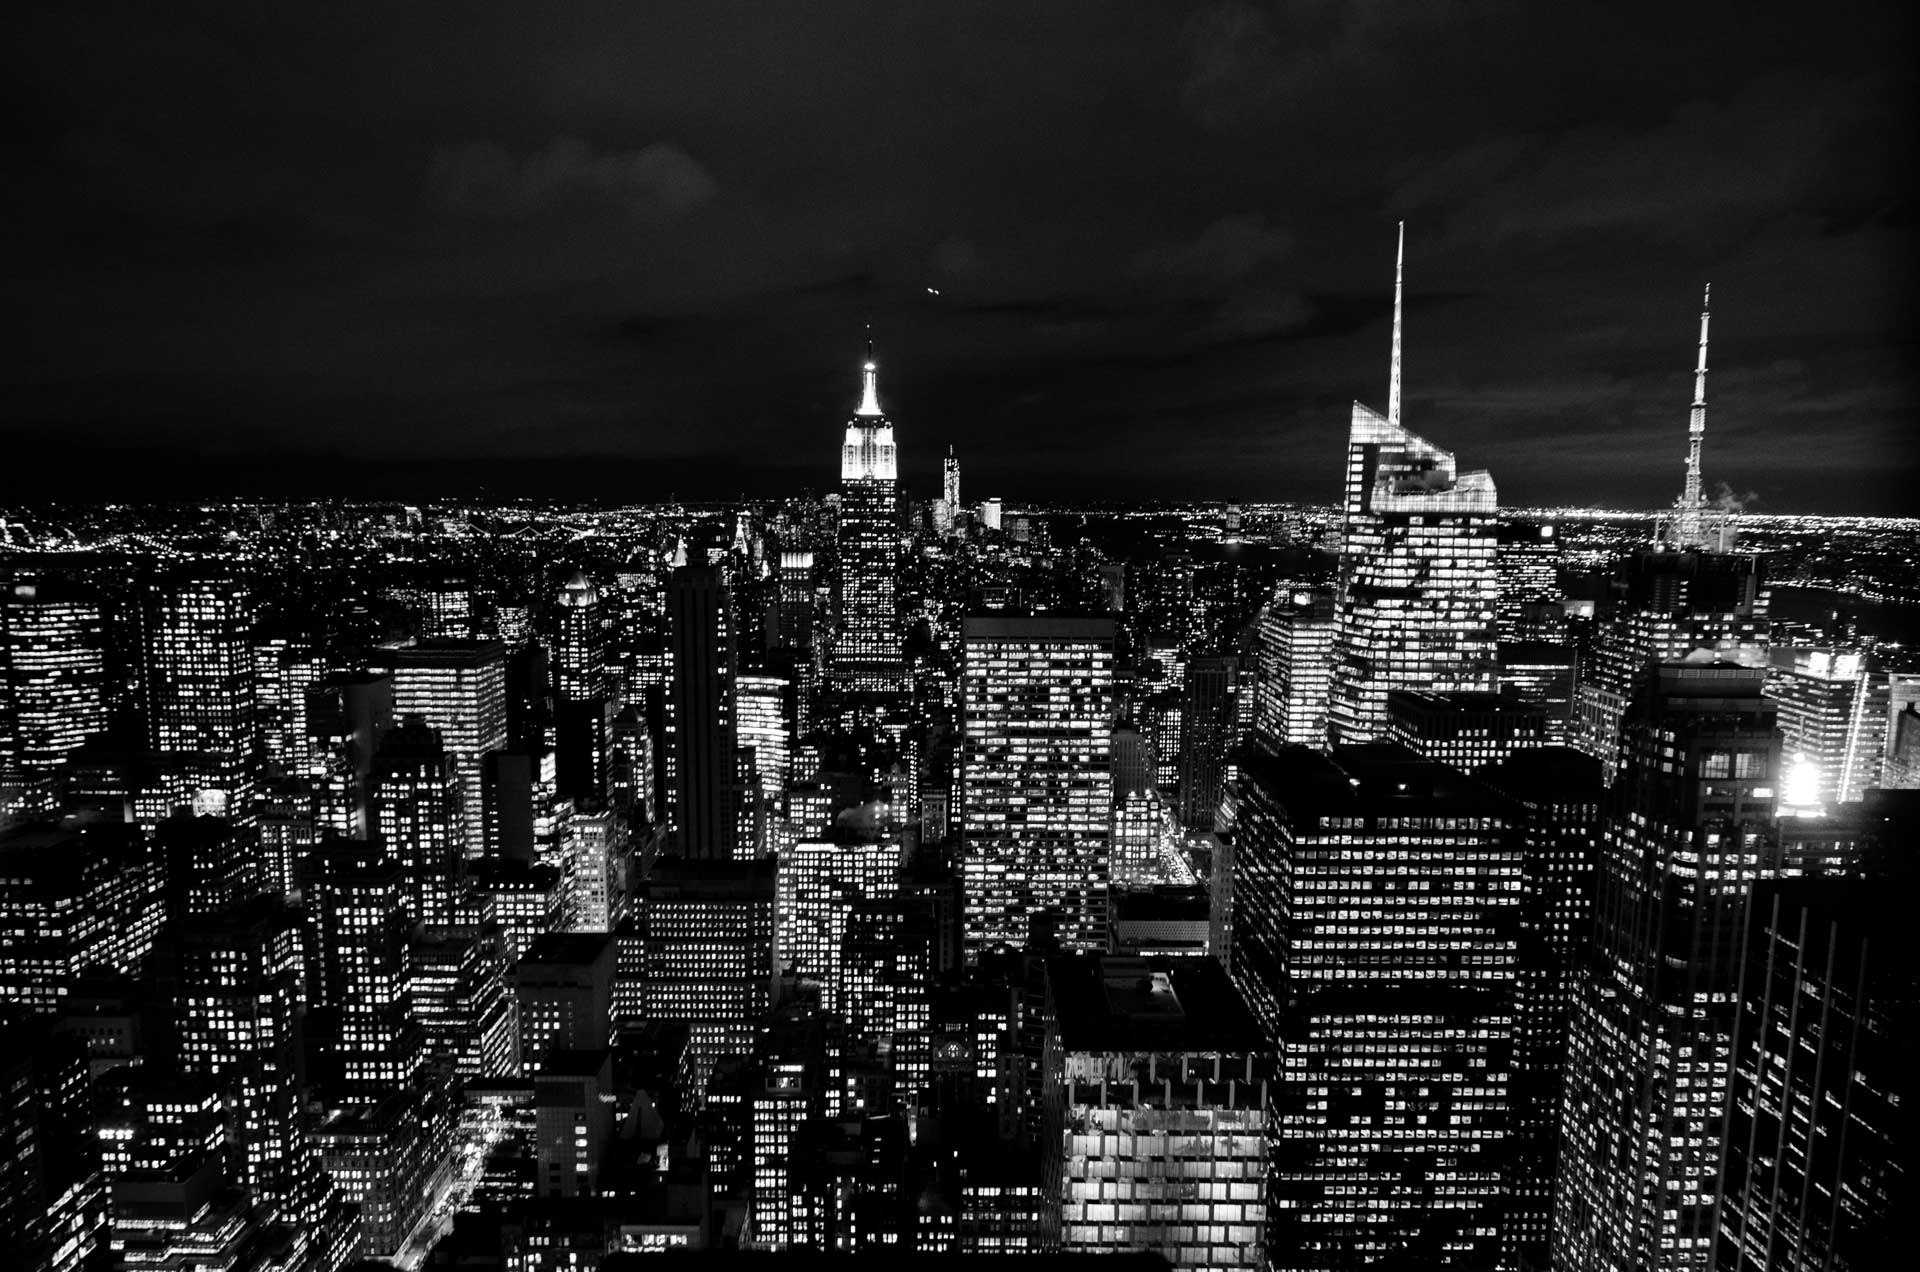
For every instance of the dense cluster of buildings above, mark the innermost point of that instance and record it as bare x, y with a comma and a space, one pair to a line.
856, 873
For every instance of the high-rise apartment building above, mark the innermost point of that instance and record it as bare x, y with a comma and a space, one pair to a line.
1035, 779
1687, 831
460, 689
52, 674
866, 649
197, 678
1375, 921
1296, 668
1418, 589
1158, 1095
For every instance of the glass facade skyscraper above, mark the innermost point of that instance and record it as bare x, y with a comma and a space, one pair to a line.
1036, 779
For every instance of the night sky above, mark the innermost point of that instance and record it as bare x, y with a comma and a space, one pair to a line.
620, 250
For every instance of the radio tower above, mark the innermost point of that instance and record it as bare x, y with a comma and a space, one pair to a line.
1692, 526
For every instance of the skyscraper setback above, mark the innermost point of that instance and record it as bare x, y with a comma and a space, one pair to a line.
866, 651
1417, 589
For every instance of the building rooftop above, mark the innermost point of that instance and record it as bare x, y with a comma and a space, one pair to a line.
567, 947
1371, 779
1178, 1004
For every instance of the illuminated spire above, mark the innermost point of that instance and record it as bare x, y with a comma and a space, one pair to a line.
1393, 380
1697, 418
869, 382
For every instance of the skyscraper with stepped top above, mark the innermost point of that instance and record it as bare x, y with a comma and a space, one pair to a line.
1417, 586
866, 652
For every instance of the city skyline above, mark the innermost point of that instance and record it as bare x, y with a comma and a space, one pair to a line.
600, 281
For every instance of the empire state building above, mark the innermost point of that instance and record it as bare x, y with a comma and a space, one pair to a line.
866, 654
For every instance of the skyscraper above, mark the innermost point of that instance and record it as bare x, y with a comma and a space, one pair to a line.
52, 674
1418, 589
950, 488
700, 713
1296, 668
1818, 1161
1375, 908
866, 650
1208, 734
584, 692
1036, 780
1687, 831
1158, 1096
197, 665
460, 689
1833, 717
417, 811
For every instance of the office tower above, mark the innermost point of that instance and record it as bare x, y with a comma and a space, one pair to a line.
1375, 917
51, 1198
706, 929
580, 663
239, 999
564, 984
285, 670
597, 850
1686, 833
797, 599
1543, 675
950, 483
1818, 1164
1527, 562
866, 649
346, 718
1557, 791
1134, 765
197, 676
1207, 735
820, 882
525, 899
457, 983
1666, 606
1833, 713
378, 1156
889, 954
584, 692
208, 864
1296, 631
573, 1120
1465, 730
989, 512
1692, 525
441, 603
700, 719
52, 674
71, 900
1158, 1098
1035, 781
460, 689
1901, 766
356, 907
762, 723
787, 1089
1417, 589
417, 811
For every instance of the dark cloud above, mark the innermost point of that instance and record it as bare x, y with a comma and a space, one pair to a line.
1104, 248
488, 180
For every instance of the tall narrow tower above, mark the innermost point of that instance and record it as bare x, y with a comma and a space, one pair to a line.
867, 651
950, 486
1417, 581
1692, 526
